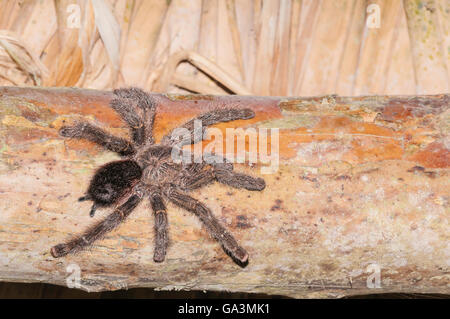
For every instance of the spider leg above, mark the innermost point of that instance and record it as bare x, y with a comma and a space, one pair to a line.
98, 230
194, 176
238, 180
202, 178
137, 109
217, 231
223, 172
97, 135
209, 118
161, 227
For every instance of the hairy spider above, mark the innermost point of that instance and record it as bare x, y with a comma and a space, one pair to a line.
147, 169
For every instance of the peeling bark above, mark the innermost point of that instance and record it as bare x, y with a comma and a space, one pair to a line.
362, 184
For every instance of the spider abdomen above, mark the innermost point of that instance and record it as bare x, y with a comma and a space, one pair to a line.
113, 180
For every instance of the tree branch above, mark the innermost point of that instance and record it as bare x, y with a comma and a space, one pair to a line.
361, 189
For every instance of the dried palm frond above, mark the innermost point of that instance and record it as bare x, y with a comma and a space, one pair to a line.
262, 47
12, 49
207, 66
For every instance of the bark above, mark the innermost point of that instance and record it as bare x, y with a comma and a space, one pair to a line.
362, 186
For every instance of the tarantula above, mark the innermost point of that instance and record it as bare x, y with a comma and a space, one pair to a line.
147, 169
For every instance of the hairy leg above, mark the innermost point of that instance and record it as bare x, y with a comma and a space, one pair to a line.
209, 118
223, 172
99, 136
98, 230
161, 227
138, 109
239, 180
195, 180
196, 176
217, 231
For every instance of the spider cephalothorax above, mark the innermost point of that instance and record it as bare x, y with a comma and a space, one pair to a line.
147, 169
